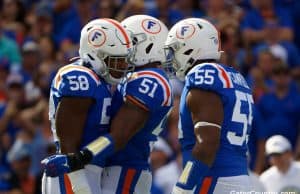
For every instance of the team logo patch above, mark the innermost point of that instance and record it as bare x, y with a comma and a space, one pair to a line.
96, 37
185, 31
151, 26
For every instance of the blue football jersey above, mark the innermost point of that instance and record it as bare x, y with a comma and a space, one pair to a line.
79, 81
231, 158
151, 89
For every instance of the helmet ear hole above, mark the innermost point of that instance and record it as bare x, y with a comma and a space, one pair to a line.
200, 26
134, 41
149, 47
91, 58
188, 52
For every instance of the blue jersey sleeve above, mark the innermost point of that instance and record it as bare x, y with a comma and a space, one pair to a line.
208, 76
76, 81
149, 89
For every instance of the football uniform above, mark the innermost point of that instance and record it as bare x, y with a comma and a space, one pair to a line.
128, 171
229, 170
76, 80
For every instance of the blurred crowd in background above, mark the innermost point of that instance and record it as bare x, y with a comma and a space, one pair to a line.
261, 38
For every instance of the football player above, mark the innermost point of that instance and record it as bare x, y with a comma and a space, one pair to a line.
79, 105
139, 108
142, 105
215, 112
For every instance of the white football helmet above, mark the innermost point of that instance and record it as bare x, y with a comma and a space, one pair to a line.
190, 40
148, 36
102, 42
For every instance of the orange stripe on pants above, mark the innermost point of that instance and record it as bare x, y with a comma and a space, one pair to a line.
205, 185
68, 185
128, 181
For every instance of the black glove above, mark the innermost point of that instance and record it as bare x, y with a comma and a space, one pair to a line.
78, 160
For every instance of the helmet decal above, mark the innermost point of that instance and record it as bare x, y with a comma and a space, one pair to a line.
151, 26
96, 37
121, 29
185, 31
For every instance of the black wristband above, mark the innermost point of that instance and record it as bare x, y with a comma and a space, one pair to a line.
78, 160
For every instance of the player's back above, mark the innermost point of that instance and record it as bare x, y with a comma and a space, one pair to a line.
76, 80
231, 159
150, 89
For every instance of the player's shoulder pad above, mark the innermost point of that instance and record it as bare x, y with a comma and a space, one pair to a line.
209, 76
75, 70
151, 87
76, 80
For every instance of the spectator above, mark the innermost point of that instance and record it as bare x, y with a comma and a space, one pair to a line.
13, 20
186, 8
64, 12
256, 143
41, 23
233, 54
281, 108
295, 9
131, 7
48, 66
31, 61
259, 85
222, 13
70, 33
106, 9
9, 48
286, 51
4, 71
9, 119
164, 12
265, 13
47, 51
284, 174
20, 179
263, 70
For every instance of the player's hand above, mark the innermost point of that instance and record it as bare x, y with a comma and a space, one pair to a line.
60, 164
56, 165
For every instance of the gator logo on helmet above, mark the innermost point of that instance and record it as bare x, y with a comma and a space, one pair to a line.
151, 26
96, 37
185, 31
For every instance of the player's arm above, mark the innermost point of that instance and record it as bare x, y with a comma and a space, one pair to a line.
130, 118
128, 121
70, 120
207, 115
